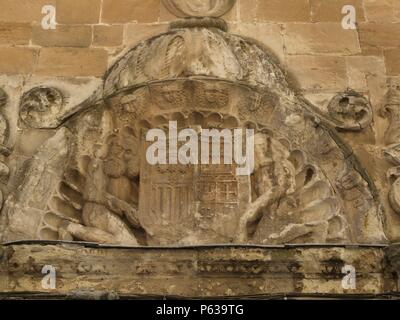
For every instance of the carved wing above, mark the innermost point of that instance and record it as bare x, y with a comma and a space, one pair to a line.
297, 204
31, 209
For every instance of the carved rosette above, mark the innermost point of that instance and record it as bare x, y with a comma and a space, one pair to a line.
392, 140
350, 111
40, 107
198, 8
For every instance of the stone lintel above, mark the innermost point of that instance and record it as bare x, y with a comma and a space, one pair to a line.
94, 271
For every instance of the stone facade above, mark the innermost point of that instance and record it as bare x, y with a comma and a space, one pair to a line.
77, 100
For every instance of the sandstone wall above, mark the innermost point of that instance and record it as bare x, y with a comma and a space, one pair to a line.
306, 36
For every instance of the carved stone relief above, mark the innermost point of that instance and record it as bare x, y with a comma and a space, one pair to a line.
351, 111
295, 203
30, 213
40, 107
392, 110
4, 128
4, 149
91, 181
392, 139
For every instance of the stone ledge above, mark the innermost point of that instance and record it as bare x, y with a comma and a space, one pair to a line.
90, 270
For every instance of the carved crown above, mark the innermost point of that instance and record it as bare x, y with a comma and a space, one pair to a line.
196, 52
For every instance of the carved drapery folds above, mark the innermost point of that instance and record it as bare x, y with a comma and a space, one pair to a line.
392, 139
41, 107
350, 111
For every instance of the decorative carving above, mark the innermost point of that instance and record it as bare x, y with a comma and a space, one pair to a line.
180, 54
392, 139
109, 193
26, 207
206, 22
189, 94
4, 129
100, 188
351, 111
41, 106
4, 150
394, 194
354, 189
392, 110
322, 146
172, 96
133, 106
210, 96
256, 105
392, 154
198, 8
287, 186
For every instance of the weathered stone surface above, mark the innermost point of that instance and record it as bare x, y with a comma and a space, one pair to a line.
396, 11
193, 272
17, 60
105, 36
392, 152
393, 262
392, 61
324, 11
136, 33
319, 72
180, 53
103, 195
268, 34
76, 104
63, 36
71, 62
15, 33
23, 11
351, 110
275, 10
78, 12
380, 10
122, 11
40, 107
367, 74
375, 36
320, 38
